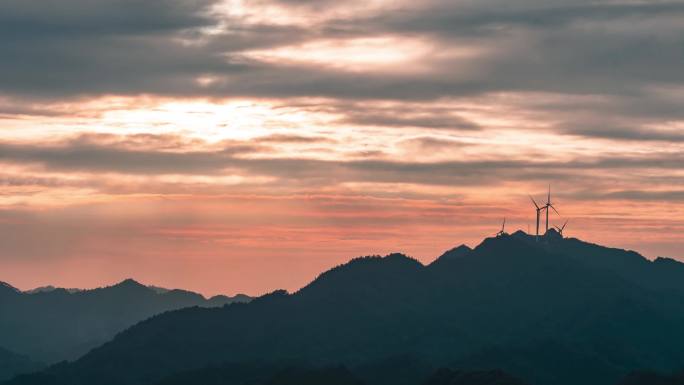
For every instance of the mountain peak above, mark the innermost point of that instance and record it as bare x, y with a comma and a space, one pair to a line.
7, 286
667, 261
52, 289
130, 283
397, 260
376, 260
41, 289
372, 268
400, 257
455, 253
500, 242
552, 234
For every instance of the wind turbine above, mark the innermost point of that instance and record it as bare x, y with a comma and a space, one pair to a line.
539, 209
560, 229
548, 204
502, 232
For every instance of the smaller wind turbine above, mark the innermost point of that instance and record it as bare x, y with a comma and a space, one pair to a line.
502, 232
560, 229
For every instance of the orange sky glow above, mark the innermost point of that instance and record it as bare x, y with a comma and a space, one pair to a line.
246, 146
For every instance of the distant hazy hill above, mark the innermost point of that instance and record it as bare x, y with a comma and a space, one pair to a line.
50, 324
12, 364
48, 288
557, 312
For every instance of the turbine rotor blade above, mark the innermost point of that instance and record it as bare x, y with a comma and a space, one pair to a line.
554, 209
535, 203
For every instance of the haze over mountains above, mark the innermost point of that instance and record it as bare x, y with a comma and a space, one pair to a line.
556, 312
51, 324
12, 364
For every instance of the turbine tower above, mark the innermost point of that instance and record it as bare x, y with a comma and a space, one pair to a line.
502, 232
548, 204
539, 209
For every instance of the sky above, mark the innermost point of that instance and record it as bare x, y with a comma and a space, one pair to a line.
248, 145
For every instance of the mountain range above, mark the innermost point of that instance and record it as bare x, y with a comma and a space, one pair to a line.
51, 324
555, 312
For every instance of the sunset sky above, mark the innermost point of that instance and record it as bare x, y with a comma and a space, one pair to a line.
248, 145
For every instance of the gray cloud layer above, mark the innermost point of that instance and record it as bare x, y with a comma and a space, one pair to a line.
581, 47
622, 50
91, 157
25, 20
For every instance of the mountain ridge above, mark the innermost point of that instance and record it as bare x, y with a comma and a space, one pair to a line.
508, 294
56, 324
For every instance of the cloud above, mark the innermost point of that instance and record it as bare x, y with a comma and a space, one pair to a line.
609, 130
131, 46
601, 48
88, 156
93, 154
670, 196
452, 19
431, 145
292, 139
405, 116
25, 20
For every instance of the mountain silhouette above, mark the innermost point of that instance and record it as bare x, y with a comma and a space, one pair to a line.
7, 290
221, 300
12, 364
54, 324
455, 253
49, 288
555, 312
660, 274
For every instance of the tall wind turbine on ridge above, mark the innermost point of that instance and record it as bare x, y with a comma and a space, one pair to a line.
539, 209
548, 204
